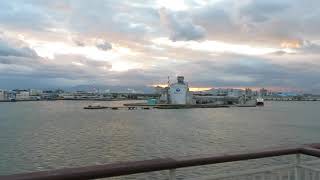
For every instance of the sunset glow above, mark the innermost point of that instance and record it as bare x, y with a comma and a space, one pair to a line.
190, 88
217, 47
212, 43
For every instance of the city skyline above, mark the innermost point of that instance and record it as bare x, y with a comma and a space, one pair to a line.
219, 43
151, 89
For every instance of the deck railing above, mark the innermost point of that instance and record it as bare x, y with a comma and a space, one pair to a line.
295, 171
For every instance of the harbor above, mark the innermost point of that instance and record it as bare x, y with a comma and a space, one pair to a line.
159, 106
56, 130
180, 93
178, 96
159, 90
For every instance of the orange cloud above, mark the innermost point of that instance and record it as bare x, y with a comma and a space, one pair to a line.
293, 44
190, 88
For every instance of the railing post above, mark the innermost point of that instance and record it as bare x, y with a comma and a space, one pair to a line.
172, 174
296, 169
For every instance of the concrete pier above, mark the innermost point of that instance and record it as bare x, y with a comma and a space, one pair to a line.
139, 106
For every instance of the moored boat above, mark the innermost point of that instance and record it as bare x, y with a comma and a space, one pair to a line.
260, 101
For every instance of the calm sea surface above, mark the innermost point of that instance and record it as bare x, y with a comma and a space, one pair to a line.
55, 134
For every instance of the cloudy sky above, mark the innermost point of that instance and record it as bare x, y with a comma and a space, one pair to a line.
219, 43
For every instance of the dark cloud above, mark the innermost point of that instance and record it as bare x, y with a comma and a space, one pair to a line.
22, 50
79, 42
309, 47
27, 15
260, 11
180, 26
267, 23
113, 19
19, 61
228, 70
103, 45
242, 71
224, 70
134, 24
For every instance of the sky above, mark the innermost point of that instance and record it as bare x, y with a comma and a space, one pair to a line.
213, 43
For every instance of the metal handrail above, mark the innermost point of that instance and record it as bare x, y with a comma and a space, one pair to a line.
134, 167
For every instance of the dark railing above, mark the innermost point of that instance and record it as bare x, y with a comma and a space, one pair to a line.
134, 167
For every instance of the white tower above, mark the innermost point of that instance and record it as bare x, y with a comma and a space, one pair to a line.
179, 91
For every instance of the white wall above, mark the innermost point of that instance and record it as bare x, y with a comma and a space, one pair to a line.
178, 93
23, 95
35, 92
2, 95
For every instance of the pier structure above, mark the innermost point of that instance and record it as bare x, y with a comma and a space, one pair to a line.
291, 98
178, 94
137, 106
298, 169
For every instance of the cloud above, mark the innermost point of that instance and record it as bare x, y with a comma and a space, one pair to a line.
309, 47
209, 42
19, 61
21, 50
180, 26
261, 11
259, 22
103, 45
79, 42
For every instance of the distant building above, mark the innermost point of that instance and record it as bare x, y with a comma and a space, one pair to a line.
80, 95
263, 92
49, 94
22, 95
179, 92
163, 92
3, 95
66, 95
217, 92
158, 90
226, 92
35, 92
287, 94
236, 92
248, 92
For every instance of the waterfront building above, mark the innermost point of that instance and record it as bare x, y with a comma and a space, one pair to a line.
163, 92
66, 96
159, 90
226, 92
22, 95
263, 92
248, 92
152, 101
35, 92
179, 92
235, 92
287, 94
218, 92
3, 95
48, 94
80, 95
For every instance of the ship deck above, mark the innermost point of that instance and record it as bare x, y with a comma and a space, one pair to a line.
296, 170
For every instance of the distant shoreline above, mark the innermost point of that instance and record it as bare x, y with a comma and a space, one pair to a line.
29, 100
292, 99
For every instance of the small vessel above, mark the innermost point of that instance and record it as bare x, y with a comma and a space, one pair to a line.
12, 100
260, 101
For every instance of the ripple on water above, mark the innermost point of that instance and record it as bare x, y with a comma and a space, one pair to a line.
50, 135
